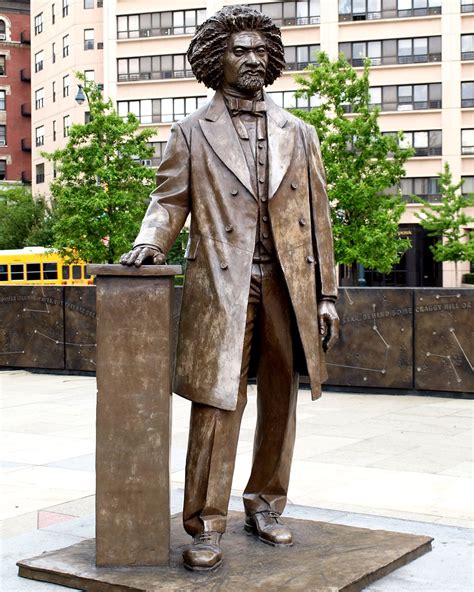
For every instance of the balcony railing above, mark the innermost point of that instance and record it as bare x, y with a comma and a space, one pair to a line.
467, 8
467, 150
25, 145
163, 75
467, 102
429, 151
390, 14
25, 110
467, 55
400, 60
88, 44
398, 106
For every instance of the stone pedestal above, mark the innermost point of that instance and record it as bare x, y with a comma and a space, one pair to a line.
134, 341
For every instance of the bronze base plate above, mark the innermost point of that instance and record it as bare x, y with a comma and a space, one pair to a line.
326, 557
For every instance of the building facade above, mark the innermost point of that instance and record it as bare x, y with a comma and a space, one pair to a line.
15, 93
422, 78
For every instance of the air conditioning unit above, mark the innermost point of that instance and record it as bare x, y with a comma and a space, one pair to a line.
3, 36
100, 46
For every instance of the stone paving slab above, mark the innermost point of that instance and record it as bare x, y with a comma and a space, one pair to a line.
325, 558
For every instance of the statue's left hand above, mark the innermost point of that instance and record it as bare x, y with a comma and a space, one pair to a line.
328, 321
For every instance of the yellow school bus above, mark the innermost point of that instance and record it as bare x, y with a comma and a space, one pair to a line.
40, 266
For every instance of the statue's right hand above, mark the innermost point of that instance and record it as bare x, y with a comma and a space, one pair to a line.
140, 254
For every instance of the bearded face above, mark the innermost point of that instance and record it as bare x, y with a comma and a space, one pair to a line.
245, 62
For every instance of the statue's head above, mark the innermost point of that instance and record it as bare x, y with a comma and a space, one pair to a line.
216, 52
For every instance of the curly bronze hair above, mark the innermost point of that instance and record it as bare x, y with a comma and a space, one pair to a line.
206, 51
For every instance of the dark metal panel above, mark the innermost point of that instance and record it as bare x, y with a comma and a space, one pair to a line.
444, 339
80, 328
31, 327
375, 344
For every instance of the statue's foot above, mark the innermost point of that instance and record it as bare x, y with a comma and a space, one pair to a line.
205, 553
269, 527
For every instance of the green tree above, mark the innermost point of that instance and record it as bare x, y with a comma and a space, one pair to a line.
448, 221
24, 221
361, 163
102, 189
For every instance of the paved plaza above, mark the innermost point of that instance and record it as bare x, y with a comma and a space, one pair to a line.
376, 461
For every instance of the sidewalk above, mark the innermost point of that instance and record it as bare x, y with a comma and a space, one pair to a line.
377, 461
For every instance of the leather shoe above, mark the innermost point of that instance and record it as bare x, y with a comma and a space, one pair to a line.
269, 527
205, 553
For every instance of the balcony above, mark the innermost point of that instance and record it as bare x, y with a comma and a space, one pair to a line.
25, 178
25, 76
25, 145
25, 37
25, 110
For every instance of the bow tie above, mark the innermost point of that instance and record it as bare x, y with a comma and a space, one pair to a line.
238, 106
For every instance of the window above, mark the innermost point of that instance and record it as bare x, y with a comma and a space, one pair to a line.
88, 39
66, 85
3, 30
65, 7
467, 47
155, 24
39, 59
66, 125
39, 23
425, 187
39, 98
467, 94
286, 99
53, 14
53, 52
393, 51
54, 130
65, 46
361, 10
299, 56
2, 65
467, 6
40, 173
87, 117
3, 170
50, 271
65, 272
160, 110
76, 272
33, 271
291, 13
17, 272
3, 273
3, 135
468, 185
53, 90
467, 141
425, 143
3, 100
153, 68
88, 4
89, 75
159, 148
39, 135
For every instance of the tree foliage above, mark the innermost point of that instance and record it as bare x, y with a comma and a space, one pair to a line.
101, 189
361, 164
448, 221
24, 221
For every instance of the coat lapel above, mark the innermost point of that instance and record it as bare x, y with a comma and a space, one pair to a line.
219, 131
281, 140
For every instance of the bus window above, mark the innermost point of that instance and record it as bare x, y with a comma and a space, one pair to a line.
76, 272
3, 273
50, 271
17, 272
33, 271
65, 272
87, 275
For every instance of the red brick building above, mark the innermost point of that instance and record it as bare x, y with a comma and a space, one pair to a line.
15, 91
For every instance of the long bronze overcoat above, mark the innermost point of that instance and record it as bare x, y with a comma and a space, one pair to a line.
204, 173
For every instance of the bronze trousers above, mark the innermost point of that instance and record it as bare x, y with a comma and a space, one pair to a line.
214, 433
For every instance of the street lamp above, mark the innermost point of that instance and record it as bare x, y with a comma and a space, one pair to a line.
80, 96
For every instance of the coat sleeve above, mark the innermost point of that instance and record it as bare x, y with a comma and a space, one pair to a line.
169, 206
321, 222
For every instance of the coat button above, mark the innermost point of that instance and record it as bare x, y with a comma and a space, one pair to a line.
263, 198
234, 192
310, 259
302, 222
261, 180
224, 265
265, 218
229, 228
294, 185
265, 235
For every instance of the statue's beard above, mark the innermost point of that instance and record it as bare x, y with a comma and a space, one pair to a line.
250, 83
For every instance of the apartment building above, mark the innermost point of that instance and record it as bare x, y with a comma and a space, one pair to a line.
422, 77
15, 93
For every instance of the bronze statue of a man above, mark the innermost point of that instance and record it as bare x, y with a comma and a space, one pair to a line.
260, 281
